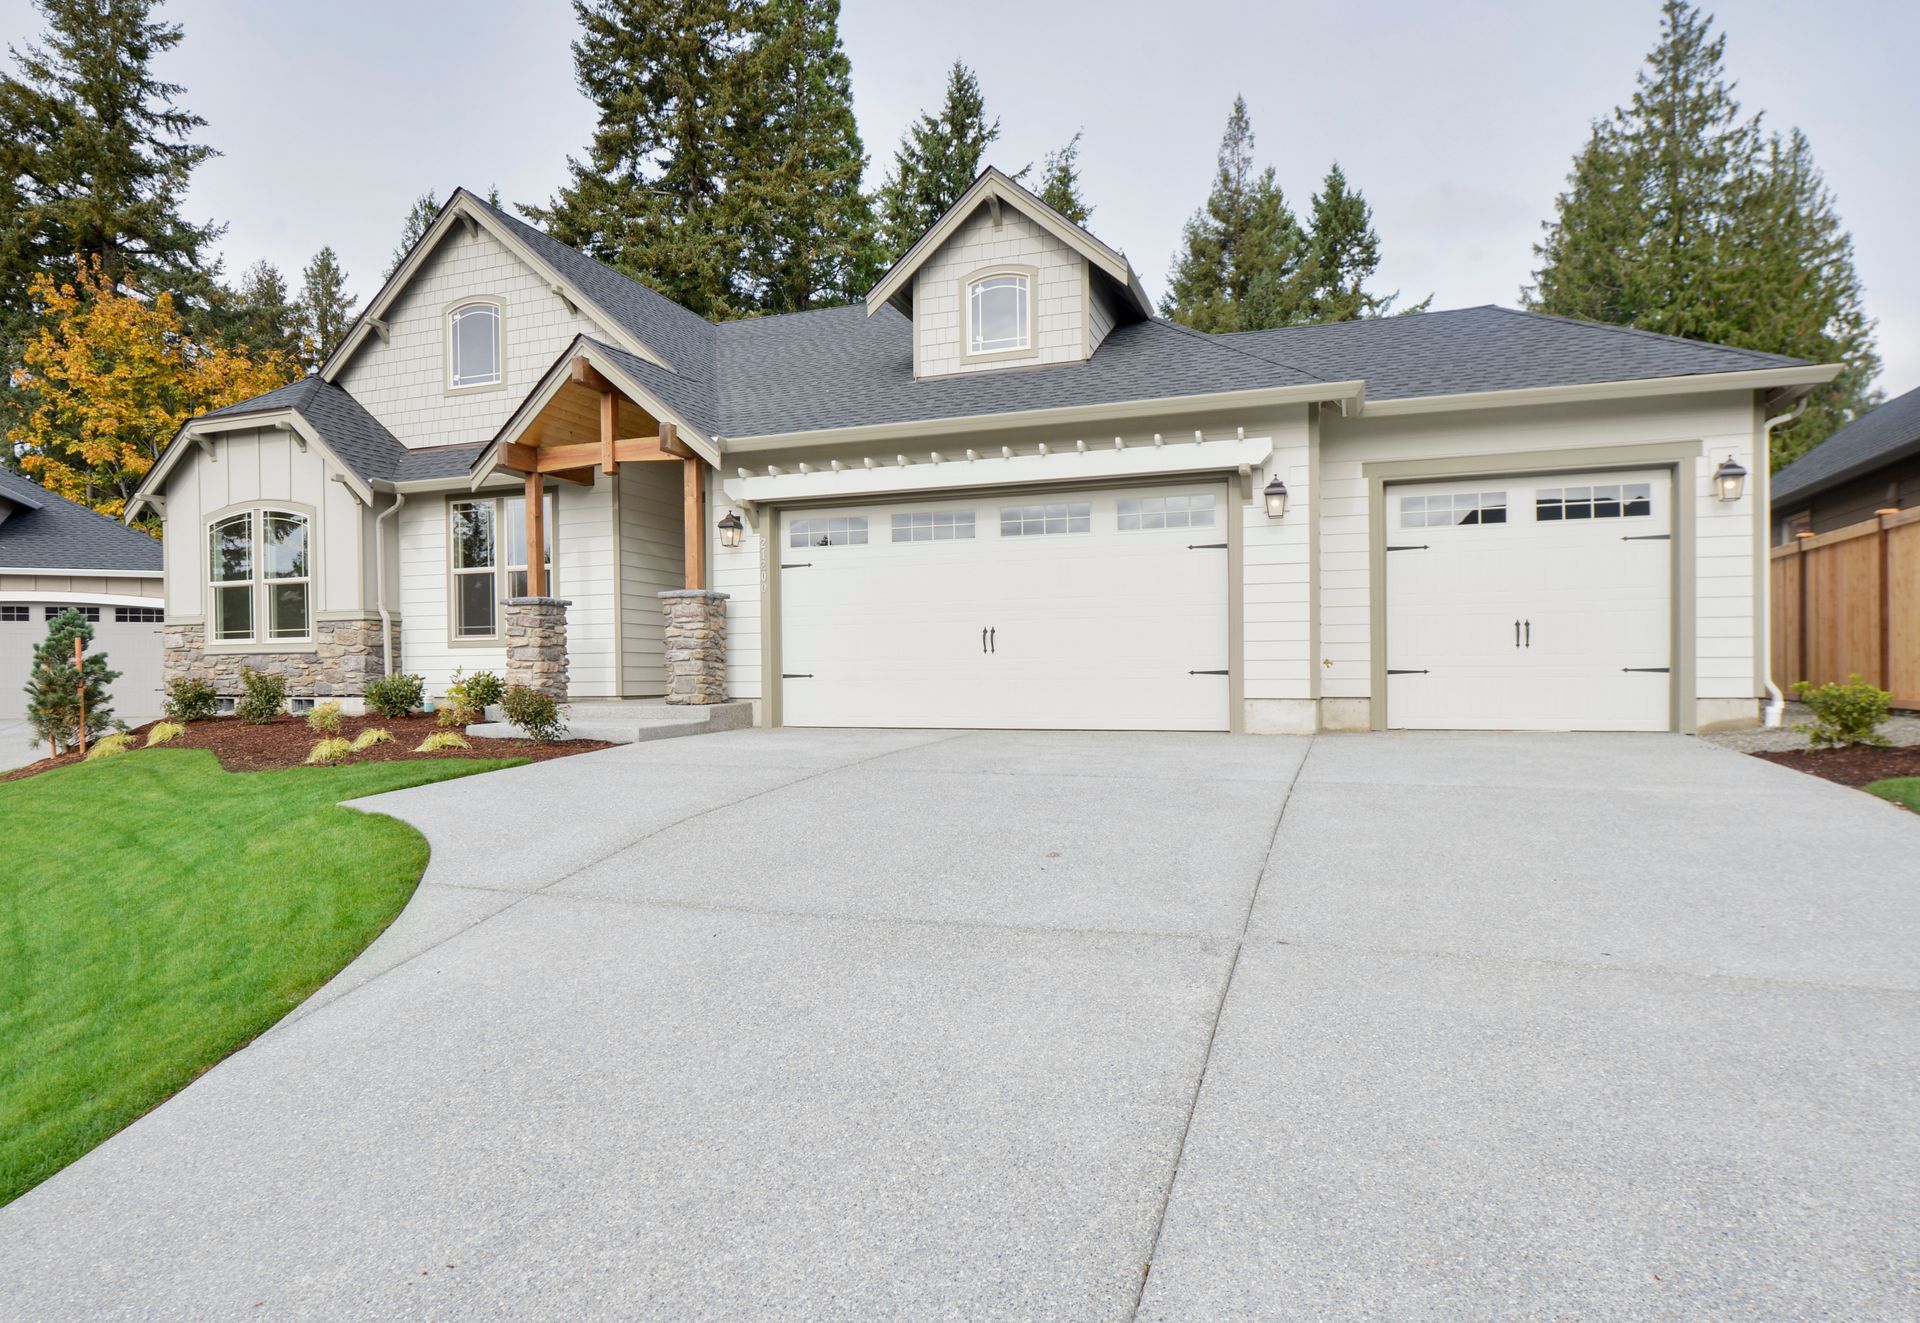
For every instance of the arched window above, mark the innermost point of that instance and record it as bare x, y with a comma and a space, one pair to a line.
998, 319
473, 345
260, 573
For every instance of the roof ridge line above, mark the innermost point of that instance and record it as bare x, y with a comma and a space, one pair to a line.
1662, 336
1211, 338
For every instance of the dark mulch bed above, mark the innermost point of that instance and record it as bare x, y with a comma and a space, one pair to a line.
242, 746
1855, 765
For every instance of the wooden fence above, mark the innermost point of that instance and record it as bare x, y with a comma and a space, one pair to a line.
1848, 602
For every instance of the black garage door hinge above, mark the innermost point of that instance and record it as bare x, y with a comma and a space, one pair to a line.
796, 564
1391, 671
1420, 546
796, 675
1206, 546
1648, 537
1206, 672
1651, 670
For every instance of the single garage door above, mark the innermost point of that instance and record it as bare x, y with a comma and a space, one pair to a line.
1530, 603
129, 635
1077, 610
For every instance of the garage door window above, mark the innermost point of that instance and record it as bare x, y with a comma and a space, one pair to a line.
933, 526
138, 615
1042, 520
837, 531
1618, 500
1190, 511
91, 613
1450, 510
14, 615
261, 570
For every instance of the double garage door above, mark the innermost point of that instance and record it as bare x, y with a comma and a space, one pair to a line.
1089, 609
131, 638
1531, 603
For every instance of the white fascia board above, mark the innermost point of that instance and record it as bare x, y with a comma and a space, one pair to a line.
83, 573
39, 597
1806, 377
1067, 466
1028, 420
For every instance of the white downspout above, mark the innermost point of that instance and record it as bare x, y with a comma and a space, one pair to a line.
1776, 701
380, 581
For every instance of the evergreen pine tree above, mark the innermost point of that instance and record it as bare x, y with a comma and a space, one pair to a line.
1343, 253
1241, 252
1060, 182
806, 230
325, 310
938, 157
53, 684
420, 218
1682, 216
649, 197
259, 313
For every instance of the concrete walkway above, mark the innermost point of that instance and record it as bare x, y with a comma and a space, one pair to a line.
823, 1025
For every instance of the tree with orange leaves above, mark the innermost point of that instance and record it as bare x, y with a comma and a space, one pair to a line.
107, 380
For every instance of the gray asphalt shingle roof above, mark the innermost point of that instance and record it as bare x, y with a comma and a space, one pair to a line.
342, 422
44, 531
1890, 432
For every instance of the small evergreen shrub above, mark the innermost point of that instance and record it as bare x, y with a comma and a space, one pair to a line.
442, 740
533, 712
109, 746
396, 696
371, 736
330, 750
481, 690
265, 697
325, 718
164, 732
191, 700
1848, 713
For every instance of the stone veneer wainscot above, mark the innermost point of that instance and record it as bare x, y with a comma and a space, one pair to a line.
344, 656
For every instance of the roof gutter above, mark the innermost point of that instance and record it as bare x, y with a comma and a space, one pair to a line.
1805, 376
380, 580
1348, 394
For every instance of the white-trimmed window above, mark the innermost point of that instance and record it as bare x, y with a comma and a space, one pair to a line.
999, 314
1040, 520
1609, 501
1193, 510
832, 531
1452, 510
933, 526
489, 538
473, 346
260, 577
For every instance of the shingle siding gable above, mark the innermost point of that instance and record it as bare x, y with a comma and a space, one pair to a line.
1059, 294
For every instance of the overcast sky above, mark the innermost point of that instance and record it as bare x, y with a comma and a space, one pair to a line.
1458, 121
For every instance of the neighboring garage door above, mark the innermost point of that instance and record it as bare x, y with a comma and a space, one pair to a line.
1078, 610
1530, 603
130, 637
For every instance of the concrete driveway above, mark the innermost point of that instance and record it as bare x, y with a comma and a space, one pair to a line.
933, 1026
17, 748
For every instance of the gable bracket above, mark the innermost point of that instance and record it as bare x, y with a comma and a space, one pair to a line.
381, 329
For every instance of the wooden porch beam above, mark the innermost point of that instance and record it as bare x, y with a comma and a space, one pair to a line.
584, 373
586, 454
536, 537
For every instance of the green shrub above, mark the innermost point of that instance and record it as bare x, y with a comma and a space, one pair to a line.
442, 740
371, 736
164, 732
265, 697
325, 718
533, 712
451, 714
395, 696
329, 751
477, 692
109, 746
1848, 713
191, 700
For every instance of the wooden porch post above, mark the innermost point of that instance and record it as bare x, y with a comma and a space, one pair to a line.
693, 511
536, 537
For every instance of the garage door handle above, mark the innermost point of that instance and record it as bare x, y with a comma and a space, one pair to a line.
1529, 633
993, 639
983, 639
1516, 633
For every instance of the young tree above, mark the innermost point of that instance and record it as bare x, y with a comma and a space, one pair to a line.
325, 310
109, 377
420, 217
649, 197
1060, 182
1343, 252
806, 230
1240, 253
259, 314
1683, 216
938, 157
97, 152
54, 685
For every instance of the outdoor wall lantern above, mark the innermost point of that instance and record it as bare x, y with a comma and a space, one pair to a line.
730, 529
1730, 479
1276, 499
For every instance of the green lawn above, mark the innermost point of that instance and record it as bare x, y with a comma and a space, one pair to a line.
156, 913
1901, 790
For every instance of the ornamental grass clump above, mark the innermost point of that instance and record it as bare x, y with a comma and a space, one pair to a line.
325, 718
108, 746
1848, 713
164, 732
442, 740
329, 751
371, 736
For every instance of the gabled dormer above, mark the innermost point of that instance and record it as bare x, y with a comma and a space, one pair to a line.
1005, 281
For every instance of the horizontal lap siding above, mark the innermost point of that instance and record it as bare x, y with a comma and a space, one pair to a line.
737, 573
1277, 589
652, 560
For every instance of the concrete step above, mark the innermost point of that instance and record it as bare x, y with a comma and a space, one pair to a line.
627, 722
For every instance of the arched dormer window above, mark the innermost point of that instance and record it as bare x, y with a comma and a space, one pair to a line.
474, 356
1000, 313
260, 577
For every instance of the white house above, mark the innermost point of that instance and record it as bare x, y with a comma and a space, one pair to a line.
1002, 493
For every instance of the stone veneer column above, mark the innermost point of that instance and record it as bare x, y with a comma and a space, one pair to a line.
537, 644
696, 645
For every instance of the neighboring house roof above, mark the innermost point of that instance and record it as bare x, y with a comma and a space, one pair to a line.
45, 531
1891, 432
1490, 348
